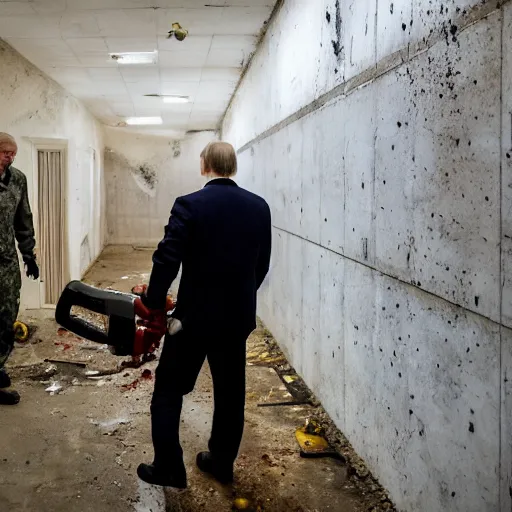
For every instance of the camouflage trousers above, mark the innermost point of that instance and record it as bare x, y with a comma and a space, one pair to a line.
10, 285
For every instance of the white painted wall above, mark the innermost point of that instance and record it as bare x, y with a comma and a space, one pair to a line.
390, 185
34, 106
144, 175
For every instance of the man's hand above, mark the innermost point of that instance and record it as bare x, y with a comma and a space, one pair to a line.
31, 268
155, 323
154, 320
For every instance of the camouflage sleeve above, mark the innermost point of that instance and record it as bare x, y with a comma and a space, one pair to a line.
24, 224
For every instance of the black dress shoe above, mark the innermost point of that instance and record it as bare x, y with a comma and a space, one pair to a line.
5, 381
9, 397
151, 475
207, 463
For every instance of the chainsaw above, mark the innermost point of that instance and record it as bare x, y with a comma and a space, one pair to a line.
131, 329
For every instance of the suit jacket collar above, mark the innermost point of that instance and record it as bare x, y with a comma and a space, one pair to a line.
222, 181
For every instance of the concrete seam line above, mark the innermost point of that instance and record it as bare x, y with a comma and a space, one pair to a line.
400, 280
386, 65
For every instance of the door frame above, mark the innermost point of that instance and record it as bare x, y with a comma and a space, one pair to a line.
43, 144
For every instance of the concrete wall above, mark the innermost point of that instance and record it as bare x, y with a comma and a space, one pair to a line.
380, 133
32, 106
144, 176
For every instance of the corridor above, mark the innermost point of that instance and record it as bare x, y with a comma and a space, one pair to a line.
379, 134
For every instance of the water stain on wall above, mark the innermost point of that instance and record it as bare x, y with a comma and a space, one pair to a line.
176, 148
145, 175
337, 43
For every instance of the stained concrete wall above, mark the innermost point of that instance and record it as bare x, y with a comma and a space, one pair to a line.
32, 106
144, 175
380, 134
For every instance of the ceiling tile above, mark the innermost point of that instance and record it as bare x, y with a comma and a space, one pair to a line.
68, 76
178, 109
122, 109
16, 9
197, 21
234, 58
78, 24
177, 117
108, 4
140, 101
110, 74
131, 44
96, 60
229, 42
46, 52
127, 23
180, 88
183, 59
87, 45
191, 43
70, 40
29, 27
221, 74
140, 74
242, 20
143, 87
147, 111
210, 106
192, 4
251, 3
180, 74
48, 6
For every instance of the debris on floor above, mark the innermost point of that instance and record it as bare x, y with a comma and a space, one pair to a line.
95, 429
241, 504
22, 332
54, 388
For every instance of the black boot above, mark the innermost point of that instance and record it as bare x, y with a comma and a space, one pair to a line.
151, 475
207, 463
9, 397
5, 380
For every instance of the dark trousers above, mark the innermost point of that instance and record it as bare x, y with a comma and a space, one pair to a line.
10, 284
182, 357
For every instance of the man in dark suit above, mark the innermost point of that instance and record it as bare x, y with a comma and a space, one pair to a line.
221, 235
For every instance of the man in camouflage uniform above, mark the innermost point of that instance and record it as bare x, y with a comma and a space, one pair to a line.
15, 225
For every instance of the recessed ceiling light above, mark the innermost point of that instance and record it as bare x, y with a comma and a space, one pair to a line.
135, 57
175, 99
139, 121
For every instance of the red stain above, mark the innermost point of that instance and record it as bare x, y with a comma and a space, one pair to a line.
146, 375
65, 346
61, 331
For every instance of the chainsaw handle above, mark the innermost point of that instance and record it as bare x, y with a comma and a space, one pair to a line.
76, 293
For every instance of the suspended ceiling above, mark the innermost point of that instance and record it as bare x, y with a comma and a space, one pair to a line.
70, 40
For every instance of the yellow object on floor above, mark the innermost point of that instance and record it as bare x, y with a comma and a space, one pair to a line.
241, 504
20, 332
310, 443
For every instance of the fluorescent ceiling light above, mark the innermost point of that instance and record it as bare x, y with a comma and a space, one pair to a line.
135, 57
175, 99
139, 121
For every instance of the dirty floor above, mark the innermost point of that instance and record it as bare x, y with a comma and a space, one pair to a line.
76, 449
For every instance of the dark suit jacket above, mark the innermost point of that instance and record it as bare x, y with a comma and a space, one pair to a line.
221, 235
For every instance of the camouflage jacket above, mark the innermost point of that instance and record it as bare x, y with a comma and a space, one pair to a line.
16, 223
